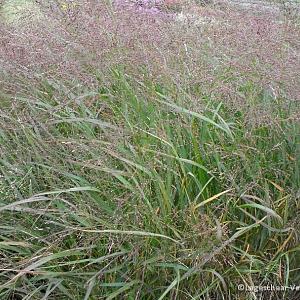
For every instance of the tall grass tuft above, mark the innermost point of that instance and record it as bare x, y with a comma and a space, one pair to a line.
143, 157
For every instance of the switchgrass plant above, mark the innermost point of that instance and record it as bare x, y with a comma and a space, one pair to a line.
128, 184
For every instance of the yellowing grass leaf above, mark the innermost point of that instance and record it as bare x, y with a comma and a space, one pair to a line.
13, 243
279, 188
211, 198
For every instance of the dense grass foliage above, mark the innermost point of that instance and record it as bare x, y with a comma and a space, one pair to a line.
173, 173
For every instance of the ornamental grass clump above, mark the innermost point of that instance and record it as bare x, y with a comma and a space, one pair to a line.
148, 155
